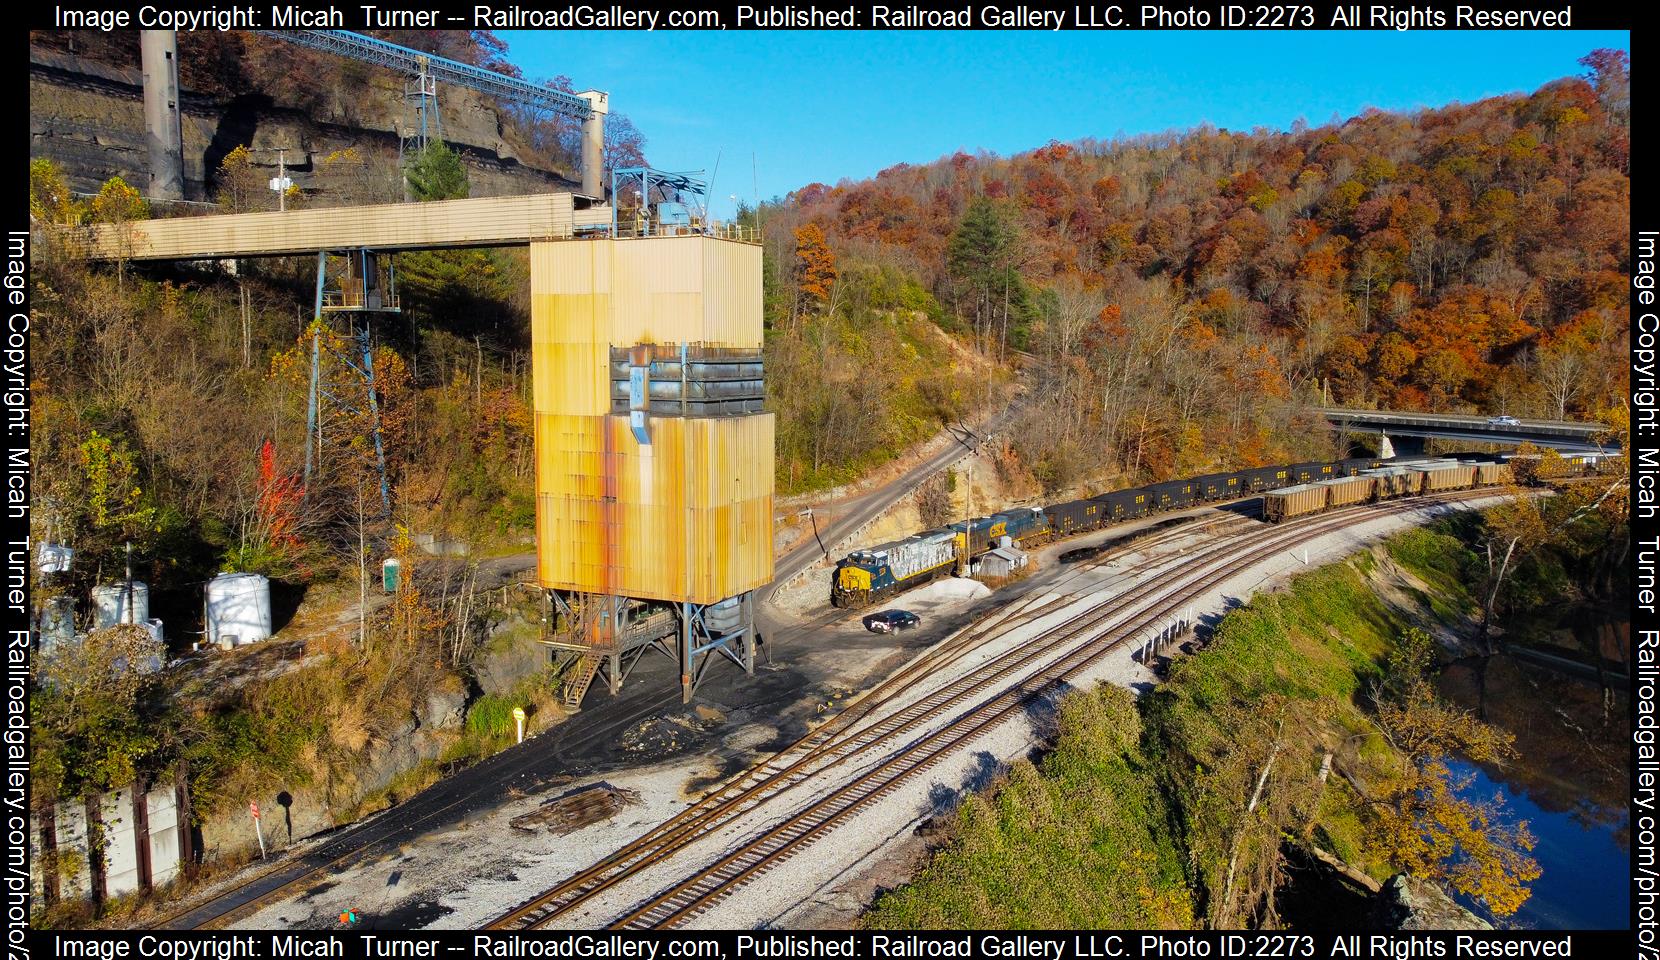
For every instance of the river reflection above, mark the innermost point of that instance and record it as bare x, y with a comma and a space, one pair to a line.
1582, 883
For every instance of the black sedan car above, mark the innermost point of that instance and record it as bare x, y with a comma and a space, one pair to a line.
891, 621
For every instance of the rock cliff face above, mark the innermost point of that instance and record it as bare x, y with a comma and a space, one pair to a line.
1409, 903
88, 117
301, 811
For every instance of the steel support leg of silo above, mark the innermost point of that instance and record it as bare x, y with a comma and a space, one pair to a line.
688, 644
748, 627
374, 412
698, 643
559, 610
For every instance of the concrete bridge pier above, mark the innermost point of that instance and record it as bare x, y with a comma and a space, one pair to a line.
1401, 446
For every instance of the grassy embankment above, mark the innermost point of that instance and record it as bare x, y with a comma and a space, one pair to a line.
1131, 820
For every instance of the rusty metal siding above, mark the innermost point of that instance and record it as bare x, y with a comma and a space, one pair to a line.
482, 222
687, 517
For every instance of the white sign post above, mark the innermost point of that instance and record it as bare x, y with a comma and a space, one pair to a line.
253, 808
519, 720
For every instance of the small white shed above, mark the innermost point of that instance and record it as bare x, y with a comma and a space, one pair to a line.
1000, 562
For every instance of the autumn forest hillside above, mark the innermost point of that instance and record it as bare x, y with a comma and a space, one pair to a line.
1182, 295
1152, 307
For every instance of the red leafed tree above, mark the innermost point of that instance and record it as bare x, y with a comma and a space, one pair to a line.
279, 501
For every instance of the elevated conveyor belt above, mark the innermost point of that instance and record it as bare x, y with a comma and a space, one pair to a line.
482, 222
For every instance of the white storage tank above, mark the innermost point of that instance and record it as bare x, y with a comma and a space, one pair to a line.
55, 558
125, 602
238, 609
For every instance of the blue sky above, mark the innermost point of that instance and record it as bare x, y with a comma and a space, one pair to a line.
822, 106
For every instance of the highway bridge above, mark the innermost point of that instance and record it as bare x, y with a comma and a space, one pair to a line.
1562, 435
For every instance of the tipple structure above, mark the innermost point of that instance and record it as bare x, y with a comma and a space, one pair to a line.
654, 455
654, 459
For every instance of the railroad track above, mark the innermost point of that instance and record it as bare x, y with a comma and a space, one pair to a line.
234, 904
819, 745
797, 831
795, 764
1084, 636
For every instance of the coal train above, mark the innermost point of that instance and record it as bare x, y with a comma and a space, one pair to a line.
875, 573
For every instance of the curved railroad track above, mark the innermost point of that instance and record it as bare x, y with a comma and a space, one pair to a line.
830, 742
288, 877
1069, 646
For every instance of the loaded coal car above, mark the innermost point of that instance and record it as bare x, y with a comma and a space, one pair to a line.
1344, 491
1392, 481
1294, 501
1124, 504
1075, 516
864, 576
1493, 473
1589, 463
1173, 493
1220, 486
1353, 466
1445, 476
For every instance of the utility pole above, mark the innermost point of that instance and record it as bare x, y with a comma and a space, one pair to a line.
280, 183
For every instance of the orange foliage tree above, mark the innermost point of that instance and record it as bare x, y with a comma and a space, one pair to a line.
815, 263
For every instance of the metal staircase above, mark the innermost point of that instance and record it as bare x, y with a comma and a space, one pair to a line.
577, 682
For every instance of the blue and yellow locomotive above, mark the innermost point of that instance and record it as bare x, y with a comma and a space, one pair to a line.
866, 576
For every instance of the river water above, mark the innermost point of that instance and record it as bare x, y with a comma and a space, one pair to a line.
1583, 862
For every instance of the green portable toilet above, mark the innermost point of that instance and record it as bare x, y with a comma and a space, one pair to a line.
389, 571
